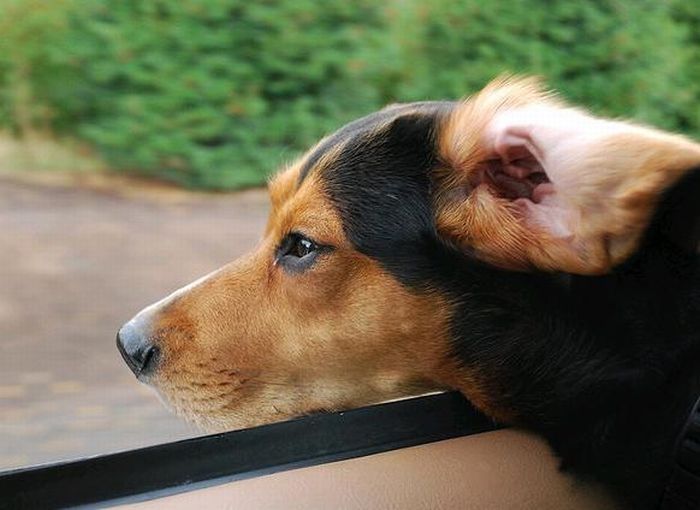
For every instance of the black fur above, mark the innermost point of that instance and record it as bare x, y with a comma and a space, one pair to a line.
605, 368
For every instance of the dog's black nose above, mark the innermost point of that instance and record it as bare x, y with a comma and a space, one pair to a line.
137, 350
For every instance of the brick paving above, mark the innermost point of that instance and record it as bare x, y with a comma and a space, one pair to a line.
75, 263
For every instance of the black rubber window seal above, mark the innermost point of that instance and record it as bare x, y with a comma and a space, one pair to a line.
160, 470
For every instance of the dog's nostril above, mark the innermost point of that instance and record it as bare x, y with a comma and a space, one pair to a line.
138, 351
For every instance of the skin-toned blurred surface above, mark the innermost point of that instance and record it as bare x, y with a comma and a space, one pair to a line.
76, 262
506, 469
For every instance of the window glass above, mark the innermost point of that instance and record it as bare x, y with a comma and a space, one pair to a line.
76, 262
136, 139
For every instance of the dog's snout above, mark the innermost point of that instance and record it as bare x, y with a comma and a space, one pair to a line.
137, 349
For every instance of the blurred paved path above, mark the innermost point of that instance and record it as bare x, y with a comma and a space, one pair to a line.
74, 265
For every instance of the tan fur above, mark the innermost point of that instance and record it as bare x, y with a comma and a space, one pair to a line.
610, 176
251, 344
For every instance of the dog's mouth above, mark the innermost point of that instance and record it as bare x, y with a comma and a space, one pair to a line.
520, 179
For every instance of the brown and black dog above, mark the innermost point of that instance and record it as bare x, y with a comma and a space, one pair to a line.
537, 258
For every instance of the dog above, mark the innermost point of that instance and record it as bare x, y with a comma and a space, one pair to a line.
537, 258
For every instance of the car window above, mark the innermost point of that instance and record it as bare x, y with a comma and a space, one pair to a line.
137, 138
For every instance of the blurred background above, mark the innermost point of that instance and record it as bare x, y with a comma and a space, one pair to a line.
127, 127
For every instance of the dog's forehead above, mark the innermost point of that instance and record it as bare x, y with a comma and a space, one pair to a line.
367, 138
375, 155
360, 128
329, 152
375, 174
378, 179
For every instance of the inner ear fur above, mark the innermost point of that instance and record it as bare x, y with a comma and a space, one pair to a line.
606, 180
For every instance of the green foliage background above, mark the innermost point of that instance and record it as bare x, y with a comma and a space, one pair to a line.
216, 93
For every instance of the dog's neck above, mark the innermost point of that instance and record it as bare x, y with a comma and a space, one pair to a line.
603, 368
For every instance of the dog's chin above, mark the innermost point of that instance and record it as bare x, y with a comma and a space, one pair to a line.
230, 403
213, 423
211, 415
217, 417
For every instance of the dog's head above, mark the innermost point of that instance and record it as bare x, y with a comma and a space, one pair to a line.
347, 298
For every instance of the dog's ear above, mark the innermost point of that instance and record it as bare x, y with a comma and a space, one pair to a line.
526, 181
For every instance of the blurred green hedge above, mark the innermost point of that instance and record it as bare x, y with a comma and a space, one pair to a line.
216, 93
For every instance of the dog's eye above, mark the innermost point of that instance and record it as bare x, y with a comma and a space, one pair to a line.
297, 252
301, 247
